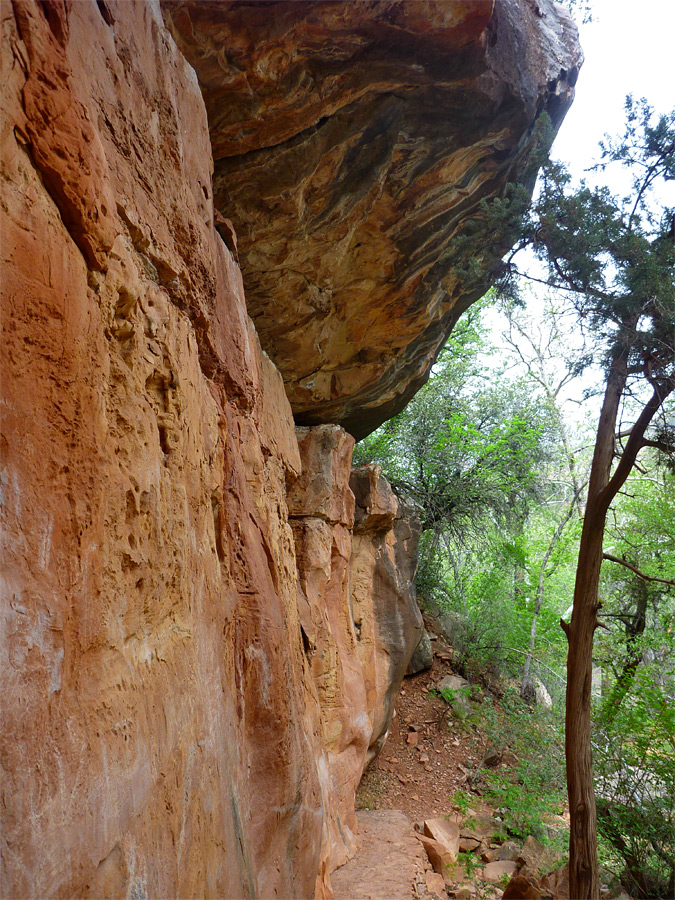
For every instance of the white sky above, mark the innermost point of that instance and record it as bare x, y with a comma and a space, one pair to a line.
629, 48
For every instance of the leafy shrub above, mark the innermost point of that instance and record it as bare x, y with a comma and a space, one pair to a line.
532, 789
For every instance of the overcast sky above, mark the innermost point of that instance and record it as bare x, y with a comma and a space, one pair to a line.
629, 49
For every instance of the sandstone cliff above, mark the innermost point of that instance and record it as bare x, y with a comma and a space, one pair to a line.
203, 625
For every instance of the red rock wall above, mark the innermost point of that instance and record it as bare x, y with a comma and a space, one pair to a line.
203, 630
383, 597
322, 508
158, 716
356, 557
185, 709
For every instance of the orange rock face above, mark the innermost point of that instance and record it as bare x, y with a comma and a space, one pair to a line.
359, 617
158, 733
383, 599
352, 141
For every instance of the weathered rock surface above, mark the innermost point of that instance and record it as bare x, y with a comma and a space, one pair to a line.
352, 142
439, 856
495, 872
198, 657
159, 721
521, 888
387, 618
423, 656
322, 506
444, 831
388, 858
358, 612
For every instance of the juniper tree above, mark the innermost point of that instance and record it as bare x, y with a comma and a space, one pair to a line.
614, 257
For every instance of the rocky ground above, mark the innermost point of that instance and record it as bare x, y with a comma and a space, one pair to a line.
414, 840
418, 838
424, 761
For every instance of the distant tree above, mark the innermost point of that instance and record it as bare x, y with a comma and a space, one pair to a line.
464, 448
467, 449
543, 348
615, 258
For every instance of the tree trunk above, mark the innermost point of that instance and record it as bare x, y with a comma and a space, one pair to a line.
584, 882
583, 866
602, 488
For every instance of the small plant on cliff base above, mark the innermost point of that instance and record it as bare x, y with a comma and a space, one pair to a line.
469, 862
462, 802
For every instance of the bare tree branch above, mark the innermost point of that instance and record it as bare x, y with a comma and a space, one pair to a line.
623, 562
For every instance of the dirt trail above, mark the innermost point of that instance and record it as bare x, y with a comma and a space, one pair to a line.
427, 755
424, 762
389, 862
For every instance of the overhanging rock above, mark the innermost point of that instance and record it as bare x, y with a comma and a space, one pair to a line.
352, 141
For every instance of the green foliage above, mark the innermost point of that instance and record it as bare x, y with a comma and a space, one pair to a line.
469, 862
634, 735
613, 256
461, 801
468, 450
490, 462
634, 753
532, 789
465, 448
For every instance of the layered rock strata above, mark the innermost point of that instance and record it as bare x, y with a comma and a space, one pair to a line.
353, 141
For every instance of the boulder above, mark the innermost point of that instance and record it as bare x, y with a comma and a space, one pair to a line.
445, 832
506, 851
541, 695
454, 683
536, 858
494, 872
440, 857
435, 884
467, 844
423, 656
481, 828
456, 691
557, 883
492, 757
521, 887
